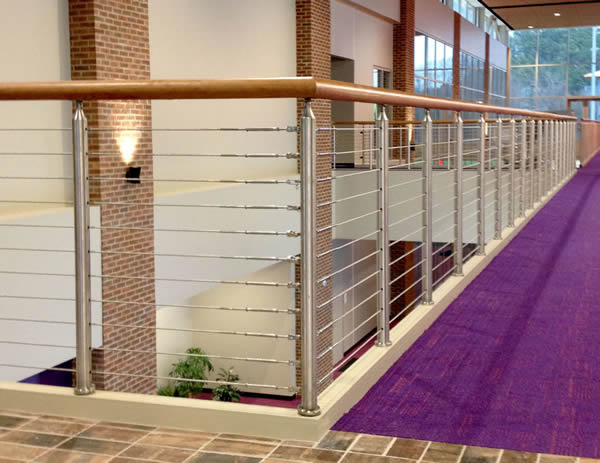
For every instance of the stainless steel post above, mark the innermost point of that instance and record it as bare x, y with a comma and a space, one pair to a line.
428, 208
559, 155
570, 149
481, 199
409, 135
383, 241
449, 147
560, 152
83, 305
370, 149
513, 199
573, 146
498, 232
333, 143
565, 148
554, 143
547, 157
532, 163
458, 244
540, 170
308, 152
523, 169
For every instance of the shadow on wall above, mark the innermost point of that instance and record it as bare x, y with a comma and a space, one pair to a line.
53, 377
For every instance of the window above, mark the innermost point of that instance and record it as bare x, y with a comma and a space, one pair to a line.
433, 69
549, 65
497, 86
471, 81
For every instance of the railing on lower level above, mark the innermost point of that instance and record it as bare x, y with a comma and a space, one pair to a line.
374, 241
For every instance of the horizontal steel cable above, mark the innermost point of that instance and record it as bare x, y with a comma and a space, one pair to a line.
186, 380
415, 249
203, 307
351, 311
346, 222
321, 354
209, 356
198, 256
272, 284
347, 290
289, 337
349, 266
209, 206
289, 234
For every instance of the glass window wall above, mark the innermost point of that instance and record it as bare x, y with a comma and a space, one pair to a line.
549, 65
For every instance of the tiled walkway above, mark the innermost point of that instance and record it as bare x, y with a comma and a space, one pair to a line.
26, 437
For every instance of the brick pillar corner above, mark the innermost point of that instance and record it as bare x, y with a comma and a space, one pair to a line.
403, 71
110, 40
313, 58
456, 57
486, 71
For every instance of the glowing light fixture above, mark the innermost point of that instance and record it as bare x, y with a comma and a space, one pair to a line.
556, 14
127, 146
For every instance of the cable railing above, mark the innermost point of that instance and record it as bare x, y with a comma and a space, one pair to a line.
381, 214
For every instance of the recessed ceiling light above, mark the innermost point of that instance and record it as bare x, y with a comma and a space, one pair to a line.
556, 14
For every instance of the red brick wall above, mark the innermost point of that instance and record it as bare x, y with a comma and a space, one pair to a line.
397, 250
456, 58
508, 72
403, 72
109, 40
313, 58
486, 71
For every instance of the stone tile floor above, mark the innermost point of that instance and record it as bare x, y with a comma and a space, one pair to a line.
26, 437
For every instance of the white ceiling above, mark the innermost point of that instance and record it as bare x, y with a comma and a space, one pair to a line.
520, 14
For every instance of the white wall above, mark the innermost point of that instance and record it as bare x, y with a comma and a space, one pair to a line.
183, 218
435, 19
35, 47
276, 374
383, 7
222, 39
366, 40
498, 54
443, 187
41, 286
263, 348
472, 39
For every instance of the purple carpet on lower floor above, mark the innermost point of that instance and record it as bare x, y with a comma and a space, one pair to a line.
514, 362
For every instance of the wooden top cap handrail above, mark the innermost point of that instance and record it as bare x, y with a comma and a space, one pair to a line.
285, 87
583, 98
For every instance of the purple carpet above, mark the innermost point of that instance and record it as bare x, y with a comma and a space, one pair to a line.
514, 362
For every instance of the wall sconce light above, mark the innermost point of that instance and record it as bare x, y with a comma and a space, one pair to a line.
132, 174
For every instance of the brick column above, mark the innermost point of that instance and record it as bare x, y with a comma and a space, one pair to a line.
486, 71
398, 250
403, 72
109, 40
508, 72
456, 58
313, 58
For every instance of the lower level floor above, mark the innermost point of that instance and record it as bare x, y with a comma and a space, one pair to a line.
26, 437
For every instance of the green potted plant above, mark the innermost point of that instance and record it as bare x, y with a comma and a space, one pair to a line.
196, 367
227, 392
167, 390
